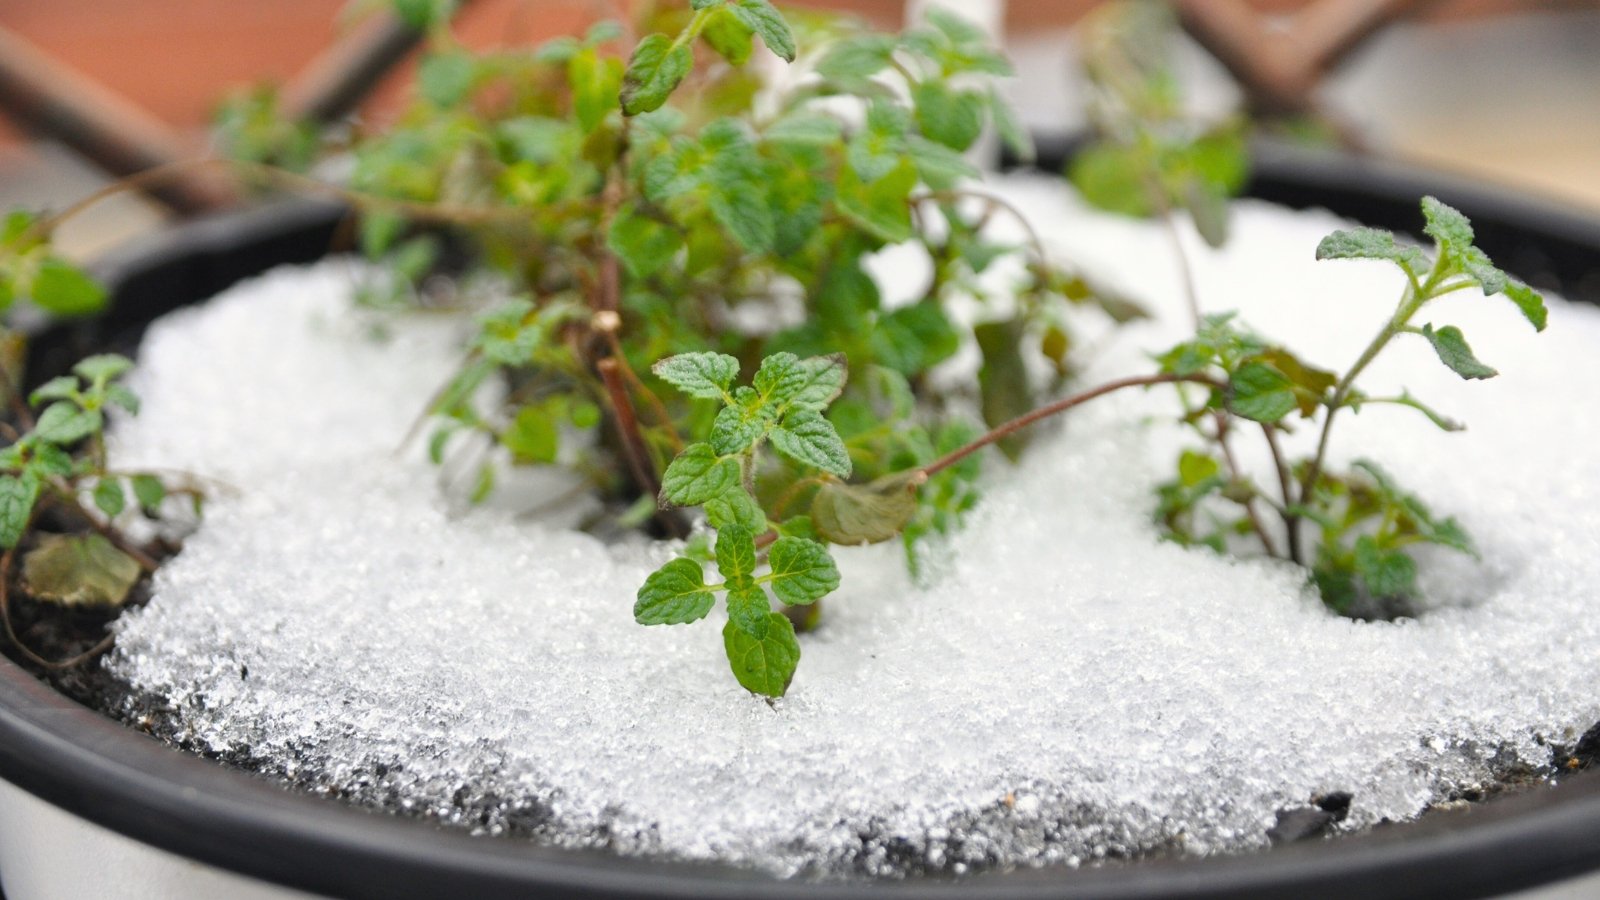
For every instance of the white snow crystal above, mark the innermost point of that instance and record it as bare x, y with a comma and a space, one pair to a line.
1072, 687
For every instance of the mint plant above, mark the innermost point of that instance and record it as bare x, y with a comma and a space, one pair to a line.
56, 471
782, 408
1364, 523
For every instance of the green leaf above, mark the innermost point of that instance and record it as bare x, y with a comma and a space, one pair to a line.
103, 367
950, 116
805, 128
1113, 178
62, 289
654, 71
736, 507
534, 435
65, 423
939, 166
118, 395
109, 497
1446, 224
728, 36
1387, 573
1477, 265
84, 570
1261, 392
596, 82
882, 207
17, 496
61, 387
763, 665
857, 58
809, 439
736, 556
738, 427
1010, 128
750, 611
1529, 303
1453, 351
1196, 468
149, 491
445, 78
763, 19
864, 514
802, 571
49, 459
642, 243
674, 594
704, 375
787, 382
697, 475
1003, 385
1371, 243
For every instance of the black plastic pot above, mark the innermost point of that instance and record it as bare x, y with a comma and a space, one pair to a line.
101, 772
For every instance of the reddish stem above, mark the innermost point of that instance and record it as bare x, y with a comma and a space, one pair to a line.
1059, 406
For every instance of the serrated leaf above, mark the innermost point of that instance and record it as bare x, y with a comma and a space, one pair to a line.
750, 611
1529, 303
1446, 224
802, 571
1477, 265
736, 556
62, 289
642, 243
1262, 393
79, 570
763, 19
807, 438
674, 594
102, 367
109, 497
61, 387
17, 496
787, 382
66, 423
149, 491
697, 475
1451, 345
736, 507
49, 459
739, 426
654, 72
763, 665
703, 375
1371, 243
950, 116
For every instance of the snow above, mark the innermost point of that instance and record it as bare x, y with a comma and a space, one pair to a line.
1070, 688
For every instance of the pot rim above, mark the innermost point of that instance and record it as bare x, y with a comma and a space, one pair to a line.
118, 778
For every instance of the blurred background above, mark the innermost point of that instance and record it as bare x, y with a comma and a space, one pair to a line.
1504, 90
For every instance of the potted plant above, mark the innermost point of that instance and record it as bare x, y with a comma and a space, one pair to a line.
629, 347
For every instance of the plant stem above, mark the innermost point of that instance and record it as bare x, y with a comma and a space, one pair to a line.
1291, 522
1059, 406
1410, 302
1235, 474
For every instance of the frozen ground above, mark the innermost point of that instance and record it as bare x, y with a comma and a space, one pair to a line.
1071, 688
